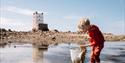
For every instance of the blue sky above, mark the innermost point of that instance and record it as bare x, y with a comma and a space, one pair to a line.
64, 15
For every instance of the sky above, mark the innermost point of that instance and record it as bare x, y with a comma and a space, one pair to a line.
64, 15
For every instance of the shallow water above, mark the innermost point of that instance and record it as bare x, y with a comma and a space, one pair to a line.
113, 52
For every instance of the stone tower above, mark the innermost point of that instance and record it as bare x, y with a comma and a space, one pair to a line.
38, 22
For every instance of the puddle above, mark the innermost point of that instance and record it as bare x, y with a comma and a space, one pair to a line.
27, 53
113, 52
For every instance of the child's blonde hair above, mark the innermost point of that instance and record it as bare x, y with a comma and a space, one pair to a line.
82, 23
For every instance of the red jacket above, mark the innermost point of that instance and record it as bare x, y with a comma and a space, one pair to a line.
96, 37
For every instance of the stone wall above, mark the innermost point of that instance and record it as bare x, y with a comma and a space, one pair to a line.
42, 27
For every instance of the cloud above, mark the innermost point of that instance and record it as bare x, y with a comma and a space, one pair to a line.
27, 12
9, 21
17, 10
14, 24
72, 17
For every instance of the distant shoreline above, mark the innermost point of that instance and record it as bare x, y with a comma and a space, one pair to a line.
51, 37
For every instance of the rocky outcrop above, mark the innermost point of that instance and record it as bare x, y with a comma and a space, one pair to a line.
114, 37
50, 37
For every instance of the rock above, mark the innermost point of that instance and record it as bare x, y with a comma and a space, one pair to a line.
9, 30
3, 30
54, 30
53, 38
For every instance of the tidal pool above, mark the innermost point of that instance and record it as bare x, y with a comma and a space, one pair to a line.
113, 52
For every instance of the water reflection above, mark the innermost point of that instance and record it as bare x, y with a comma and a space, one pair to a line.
38, 53
113, 52
2, 45
56, 53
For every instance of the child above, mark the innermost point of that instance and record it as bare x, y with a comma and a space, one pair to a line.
96, 39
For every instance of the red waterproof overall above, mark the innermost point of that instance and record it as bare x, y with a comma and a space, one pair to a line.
97, 43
